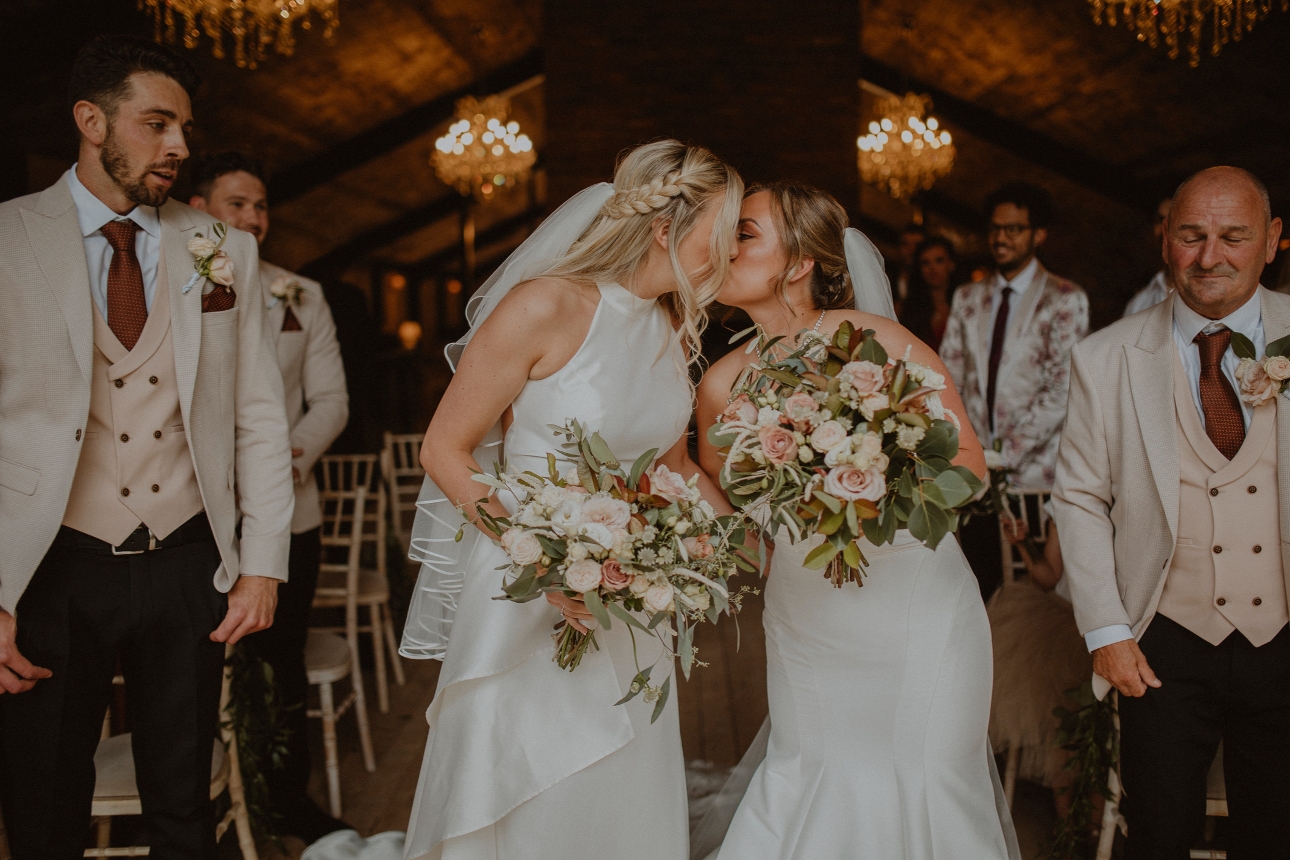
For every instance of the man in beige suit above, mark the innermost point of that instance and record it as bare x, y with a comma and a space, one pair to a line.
141, 418
1173, 503
230, 186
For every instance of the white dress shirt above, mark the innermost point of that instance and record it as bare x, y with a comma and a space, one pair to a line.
1023, 281
1149, 296
93, 213
1248, 320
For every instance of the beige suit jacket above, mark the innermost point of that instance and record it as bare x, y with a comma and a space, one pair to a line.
1116, 494
313, 378
230, 392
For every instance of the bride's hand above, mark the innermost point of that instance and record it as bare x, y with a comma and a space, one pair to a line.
573, 609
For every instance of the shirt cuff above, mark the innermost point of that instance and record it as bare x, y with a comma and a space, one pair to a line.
1103, 636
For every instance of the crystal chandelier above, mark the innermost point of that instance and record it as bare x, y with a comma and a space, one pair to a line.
906, 150
484, 151
254, 26
1182, 21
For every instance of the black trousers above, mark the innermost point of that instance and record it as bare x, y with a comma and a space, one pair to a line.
1232, 692
82, 611
282, 646
980, 542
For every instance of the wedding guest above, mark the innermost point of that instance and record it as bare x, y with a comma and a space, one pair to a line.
1155, 291
1171, 502
231, 187
1007, 346
926, 309
139, 392
901, 269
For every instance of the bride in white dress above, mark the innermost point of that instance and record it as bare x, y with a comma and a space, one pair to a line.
525, 760
880, 695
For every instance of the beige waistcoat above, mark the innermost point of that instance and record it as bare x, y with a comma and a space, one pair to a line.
135, 466
1226, 573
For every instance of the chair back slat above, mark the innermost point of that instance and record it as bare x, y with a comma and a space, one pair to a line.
1027, 506
401, 468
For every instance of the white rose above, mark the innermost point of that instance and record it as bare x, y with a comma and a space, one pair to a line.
199, 246
597, 534
582, 576
1277, 367
577, 552
566, 515
668, 484
872, 403
658, 597
222, 269
613, 514
870, 444
850, 483
571, 477
838, 453
639, 586
529, 516
828, 436
767, 416
523, 547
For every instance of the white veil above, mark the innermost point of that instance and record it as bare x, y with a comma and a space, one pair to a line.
434, 531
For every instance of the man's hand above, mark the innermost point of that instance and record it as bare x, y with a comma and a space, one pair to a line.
250, 608
1125, 666
295, 473
17, 675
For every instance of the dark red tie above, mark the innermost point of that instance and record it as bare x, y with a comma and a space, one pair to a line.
127, 308
1224, 422
996, 351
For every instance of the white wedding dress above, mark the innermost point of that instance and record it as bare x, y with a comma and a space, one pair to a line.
879, 706
525, 760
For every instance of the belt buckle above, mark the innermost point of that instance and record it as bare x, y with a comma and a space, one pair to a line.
152, 544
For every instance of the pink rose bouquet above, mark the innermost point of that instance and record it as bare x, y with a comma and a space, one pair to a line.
639, 547
838, 439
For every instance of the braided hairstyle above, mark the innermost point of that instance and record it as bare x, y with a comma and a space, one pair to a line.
811, 224
674, 183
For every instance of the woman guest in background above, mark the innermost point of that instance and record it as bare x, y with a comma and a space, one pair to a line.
1038, 656
879, 696
525, 759
926, 309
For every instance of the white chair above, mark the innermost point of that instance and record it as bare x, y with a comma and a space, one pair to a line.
116, 793
1028, 508
328, 657
345, 473
402, 475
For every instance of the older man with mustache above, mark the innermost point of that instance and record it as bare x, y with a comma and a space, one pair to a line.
1173, 504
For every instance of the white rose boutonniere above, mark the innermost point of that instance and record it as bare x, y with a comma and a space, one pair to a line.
286, 289
209, 260
1261, 379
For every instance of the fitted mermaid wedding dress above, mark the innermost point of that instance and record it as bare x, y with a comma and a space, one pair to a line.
524, 759
879, 705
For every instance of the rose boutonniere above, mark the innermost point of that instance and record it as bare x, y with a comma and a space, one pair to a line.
1261, 379
209, 260
286, 289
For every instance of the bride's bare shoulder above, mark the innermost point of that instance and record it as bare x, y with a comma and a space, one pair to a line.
543, 301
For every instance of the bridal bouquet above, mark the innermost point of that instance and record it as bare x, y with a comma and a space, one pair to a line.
838, 439
629, 543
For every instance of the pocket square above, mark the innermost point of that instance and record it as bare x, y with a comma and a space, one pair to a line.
290, 323
221, 298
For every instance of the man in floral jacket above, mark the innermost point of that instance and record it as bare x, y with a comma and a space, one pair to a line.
1007, 346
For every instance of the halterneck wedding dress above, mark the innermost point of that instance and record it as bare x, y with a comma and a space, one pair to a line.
524, 759
877, 747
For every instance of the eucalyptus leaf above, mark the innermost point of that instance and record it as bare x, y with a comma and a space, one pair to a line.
955, 490
617, 609
685, 648
642, 463
662, 699
602, 452
817, 558
597, 608
829, 501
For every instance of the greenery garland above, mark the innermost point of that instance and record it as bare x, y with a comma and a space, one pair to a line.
257, 719
1089, 734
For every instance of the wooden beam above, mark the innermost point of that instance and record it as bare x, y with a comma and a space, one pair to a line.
1106, 179
342, 257
366, 146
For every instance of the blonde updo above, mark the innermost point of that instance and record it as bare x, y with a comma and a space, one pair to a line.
670, 182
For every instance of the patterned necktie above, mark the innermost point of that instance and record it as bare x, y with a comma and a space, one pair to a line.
996, 351
1224, 422
127, 308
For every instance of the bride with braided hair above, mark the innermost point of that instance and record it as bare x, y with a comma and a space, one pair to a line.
597, 317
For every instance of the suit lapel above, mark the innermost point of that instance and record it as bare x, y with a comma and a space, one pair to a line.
1151, 382
1018, 329
981, 336
185, 310
275, 310
54, 231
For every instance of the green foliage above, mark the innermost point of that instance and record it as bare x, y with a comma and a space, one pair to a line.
1088, 733
257, 720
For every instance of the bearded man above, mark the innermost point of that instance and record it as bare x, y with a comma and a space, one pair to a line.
141, 417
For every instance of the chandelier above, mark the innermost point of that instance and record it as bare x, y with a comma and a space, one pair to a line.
906, 150
1183, 21
484, 151
254, 26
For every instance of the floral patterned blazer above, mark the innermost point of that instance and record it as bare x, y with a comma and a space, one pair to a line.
1030, 400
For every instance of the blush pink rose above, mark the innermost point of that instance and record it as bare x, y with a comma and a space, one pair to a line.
582, 576
698, 546
866, 377
222, 269
801, 409
609, 512
1277, 367
740, 409
613, 576
851, 483
828, 436
1257, 387
668, 484
778, 444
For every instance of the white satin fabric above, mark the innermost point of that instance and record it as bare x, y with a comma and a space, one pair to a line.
525, 760
879, 706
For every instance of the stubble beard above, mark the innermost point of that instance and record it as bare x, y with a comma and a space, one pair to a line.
116, 163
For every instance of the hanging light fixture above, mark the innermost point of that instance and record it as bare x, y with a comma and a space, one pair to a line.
254, 26
906, 150
484, 150
1182, 22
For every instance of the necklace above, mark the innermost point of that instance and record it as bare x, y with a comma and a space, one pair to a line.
819, 321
